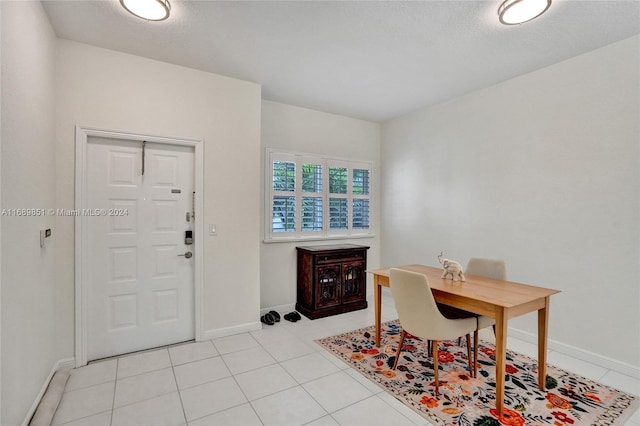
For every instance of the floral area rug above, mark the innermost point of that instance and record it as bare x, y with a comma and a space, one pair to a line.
569, 399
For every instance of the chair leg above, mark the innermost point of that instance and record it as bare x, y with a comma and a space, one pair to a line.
460, 341
402, 336
435, 366
468, 337
475, 353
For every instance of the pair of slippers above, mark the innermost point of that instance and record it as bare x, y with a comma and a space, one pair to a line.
292, 316
270, 318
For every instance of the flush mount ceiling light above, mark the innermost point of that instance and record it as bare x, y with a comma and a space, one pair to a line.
151, 10
513, 12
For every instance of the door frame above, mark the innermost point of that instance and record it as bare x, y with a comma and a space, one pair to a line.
81, 270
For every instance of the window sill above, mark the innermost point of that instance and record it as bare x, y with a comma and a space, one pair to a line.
328, 238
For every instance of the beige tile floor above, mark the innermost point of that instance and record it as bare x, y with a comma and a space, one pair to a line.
274, 376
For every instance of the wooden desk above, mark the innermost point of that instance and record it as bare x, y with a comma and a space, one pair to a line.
497, 299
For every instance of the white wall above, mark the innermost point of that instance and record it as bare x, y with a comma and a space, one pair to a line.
108, 90
1, 220
542, 171
299, 129
28, 181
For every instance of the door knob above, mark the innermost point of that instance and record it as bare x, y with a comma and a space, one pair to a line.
187, 254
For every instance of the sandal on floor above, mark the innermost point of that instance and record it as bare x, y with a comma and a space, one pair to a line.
275, 315
292, 316
267, 319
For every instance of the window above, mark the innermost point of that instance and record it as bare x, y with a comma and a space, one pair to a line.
312, 197
315, 197
284, 206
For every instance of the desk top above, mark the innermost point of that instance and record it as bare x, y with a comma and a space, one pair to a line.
476, 289
325, 247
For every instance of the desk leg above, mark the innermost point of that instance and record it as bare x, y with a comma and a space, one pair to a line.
377, 297
501, 356
543, 322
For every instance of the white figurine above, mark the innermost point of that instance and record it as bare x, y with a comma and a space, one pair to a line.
451, 267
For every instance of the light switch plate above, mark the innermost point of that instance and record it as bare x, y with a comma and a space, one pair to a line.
213, 229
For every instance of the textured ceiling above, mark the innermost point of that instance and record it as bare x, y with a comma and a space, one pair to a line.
367, 59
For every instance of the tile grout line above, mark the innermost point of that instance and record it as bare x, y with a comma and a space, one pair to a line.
233, 376
398, 411
298, 384
329, 413
175, 380
147, 398
115, 382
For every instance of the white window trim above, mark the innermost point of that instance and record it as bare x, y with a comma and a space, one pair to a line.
299, 158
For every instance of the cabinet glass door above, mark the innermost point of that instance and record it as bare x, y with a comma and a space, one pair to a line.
328, 286
353, 282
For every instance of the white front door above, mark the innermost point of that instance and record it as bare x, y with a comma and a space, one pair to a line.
140, 290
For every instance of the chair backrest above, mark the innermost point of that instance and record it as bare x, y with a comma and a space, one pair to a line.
490, 268
416, 307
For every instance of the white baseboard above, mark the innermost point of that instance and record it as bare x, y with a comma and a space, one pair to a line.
228, 331
282, 309
67, 363
58, 365
243, 328
581, 354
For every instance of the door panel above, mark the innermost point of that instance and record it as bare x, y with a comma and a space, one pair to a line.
165, 216
123, 312
140, 292
123, 167
166, 304
120, 224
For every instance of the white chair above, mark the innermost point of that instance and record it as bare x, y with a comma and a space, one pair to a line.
419, 316
490, 268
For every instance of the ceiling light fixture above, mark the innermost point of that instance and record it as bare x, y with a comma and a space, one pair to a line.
151, 10
513, 12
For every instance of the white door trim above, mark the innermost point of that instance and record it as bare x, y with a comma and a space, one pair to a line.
81, 302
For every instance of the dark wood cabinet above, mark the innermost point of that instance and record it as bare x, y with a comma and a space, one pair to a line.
331, 279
